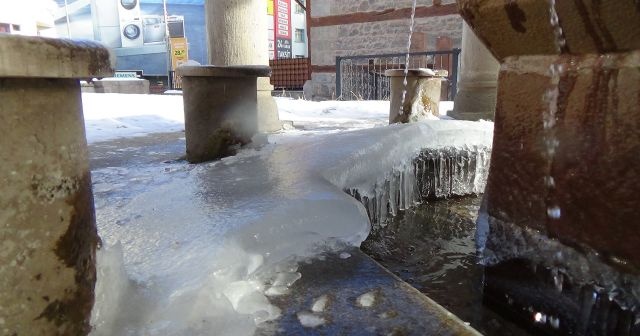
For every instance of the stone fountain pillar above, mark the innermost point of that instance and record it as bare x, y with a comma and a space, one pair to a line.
563, 193
476, 96
237, 35
47, 222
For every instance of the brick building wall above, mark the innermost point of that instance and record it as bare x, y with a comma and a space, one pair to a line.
363, 27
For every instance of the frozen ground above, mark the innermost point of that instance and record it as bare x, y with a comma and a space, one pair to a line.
202, 249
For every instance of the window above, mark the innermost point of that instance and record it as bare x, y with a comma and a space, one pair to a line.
299, 9
299, 37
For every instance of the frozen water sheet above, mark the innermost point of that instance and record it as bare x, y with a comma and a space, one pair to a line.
192, 249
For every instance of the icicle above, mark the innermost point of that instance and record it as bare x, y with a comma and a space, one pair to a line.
434, 173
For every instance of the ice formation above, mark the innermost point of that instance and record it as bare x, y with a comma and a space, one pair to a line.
366, 300
310, 320
320, 304
193, 248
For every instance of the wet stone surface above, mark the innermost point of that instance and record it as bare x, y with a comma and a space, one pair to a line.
160, 147
340, 295
432, 247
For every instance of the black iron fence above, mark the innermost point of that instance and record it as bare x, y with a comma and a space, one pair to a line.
362, 77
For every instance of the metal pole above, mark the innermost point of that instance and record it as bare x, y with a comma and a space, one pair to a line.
167, 45
338, 78
66, 14
454, 74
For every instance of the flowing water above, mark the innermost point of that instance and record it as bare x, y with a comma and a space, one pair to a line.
556, 70
432, 247
406, 62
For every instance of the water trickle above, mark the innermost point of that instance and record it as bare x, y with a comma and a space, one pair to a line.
560, 41
551, 142
406, 61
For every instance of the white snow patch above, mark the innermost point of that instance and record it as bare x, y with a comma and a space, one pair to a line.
366, 300
110, 116
310, 320
345, 255
320, 304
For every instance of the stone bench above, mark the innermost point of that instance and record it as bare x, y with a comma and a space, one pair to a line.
220, 108
47, 222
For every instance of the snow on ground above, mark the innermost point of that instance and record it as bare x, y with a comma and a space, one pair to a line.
110, 116
198, 249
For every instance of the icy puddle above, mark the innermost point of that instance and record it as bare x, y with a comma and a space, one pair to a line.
432, 247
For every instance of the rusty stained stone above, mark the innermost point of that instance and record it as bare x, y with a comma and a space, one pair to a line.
596, 165
517, 151
516, 16
76, 248
597, 26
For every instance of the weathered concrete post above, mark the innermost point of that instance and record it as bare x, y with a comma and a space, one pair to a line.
421, 95
237, 35
47, 222
563, 192
478, 84
220, 108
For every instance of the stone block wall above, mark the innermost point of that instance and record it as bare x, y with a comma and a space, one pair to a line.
321, 8
362, 27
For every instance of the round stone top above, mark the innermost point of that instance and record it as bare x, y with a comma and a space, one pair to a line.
421, 72
224, 71
41, 57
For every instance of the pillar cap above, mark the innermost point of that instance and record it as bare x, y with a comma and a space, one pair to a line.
41, 57
421, 72
224, 71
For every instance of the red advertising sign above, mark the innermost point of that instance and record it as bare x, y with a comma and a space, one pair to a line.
282, 28
282, 18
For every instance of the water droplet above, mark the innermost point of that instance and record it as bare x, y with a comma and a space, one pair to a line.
555, 322
554, 212
538, 317
550, 181
558, 281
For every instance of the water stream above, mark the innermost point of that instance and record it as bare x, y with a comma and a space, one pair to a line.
406, 61
554, 212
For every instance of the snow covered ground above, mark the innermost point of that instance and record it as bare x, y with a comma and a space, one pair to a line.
199, 249
109, 116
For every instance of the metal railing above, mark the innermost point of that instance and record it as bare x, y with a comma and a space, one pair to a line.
175, 81
362, 77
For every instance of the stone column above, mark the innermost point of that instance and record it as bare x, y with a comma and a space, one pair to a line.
563, 193
237, 35
214, 126
47, 222
478, 80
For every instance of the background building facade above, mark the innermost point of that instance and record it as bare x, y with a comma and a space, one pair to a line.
362, 27
137, 29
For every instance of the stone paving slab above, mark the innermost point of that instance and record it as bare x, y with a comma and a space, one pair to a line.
397, 309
